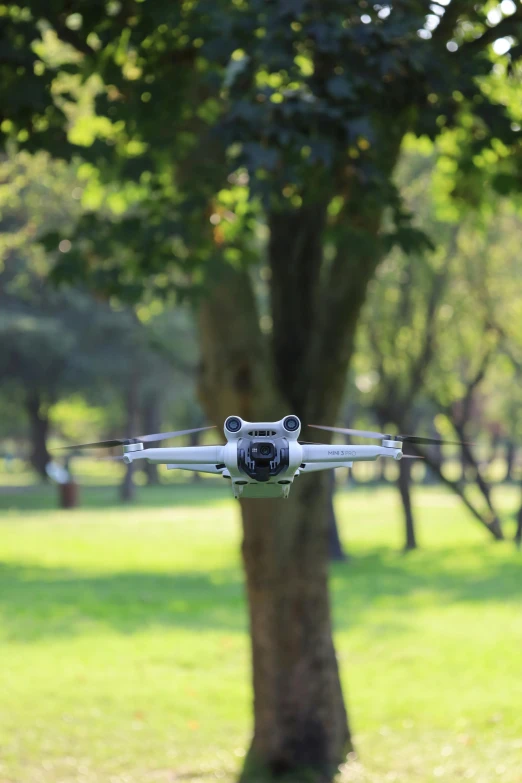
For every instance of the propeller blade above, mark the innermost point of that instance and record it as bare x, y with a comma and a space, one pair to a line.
109, 444
343, 431
311, 443
167, 435
411, 456
389, 436
102, 444
428, 441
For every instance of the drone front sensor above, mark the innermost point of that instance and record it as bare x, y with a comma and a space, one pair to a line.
233, 424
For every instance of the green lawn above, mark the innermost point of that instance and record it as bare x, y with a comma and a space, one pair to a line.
124, 652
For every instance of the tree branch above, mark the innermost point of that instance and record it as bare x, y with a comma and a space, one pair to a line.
492, 525
70, 37
501, 30
342, 297
236, 373
295, 253
446, 27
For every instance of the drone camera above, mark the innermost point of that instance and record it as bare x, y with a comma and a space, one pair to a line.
233, 424
263, 459
262, 450
291, 423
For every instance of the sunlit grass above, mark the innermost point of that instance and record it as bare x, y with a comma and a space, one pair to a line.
124, 651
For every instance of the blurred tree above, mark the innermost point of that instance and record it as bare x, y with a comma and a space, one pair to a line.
429, 341
298, 109
170, 389
54, 343
35, 322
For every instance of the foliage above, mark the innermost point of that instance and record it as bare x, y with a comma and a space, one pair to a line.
66, 344
53, 342
204, 104
432, 321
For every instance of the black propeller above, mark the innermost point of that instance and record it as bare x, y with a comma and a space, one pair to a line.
388, 436
109, 444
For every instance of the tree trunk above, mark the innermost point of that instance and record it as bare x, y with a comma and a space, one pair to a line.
518, 533
335, 547
127, 487
404, 484
511, 453
39, 430
151, 420
300, 720
481, 482
299, 716
463, 467
430, 476
194, 439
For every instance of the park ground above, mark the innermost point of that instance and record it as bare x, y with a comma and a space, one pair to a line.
124, 652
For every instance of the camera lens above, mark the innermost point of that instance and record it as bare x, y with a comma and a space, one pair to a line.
291, 423
265, 451
232, 424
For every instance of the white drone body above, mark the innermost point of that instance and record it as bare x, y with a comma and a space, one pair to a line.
261, 459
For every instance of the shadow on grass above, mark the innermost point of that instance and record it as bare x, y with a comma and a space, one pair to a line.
443, 576
43, 497
38, 602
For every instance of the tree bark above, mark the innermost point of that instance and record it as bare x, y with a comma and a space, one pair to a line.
127, 487
300, 718
404, 484
39, 430
511, 453
463, 467
481, 482
335, 547
518, 532
194, 440
151, 419
430, 476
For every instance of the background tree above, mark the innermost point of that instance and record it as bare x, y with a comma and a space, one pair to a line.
426, 344
58, 343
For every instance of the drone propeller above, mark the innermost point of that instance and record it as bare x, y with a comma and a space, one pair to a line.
387, 436
310, 443
109, 444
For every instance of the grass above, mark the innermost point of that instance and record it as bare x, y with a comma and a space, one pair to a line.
124, 651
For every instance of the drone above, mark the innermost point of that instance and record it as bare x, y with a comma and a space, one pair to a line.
261, 459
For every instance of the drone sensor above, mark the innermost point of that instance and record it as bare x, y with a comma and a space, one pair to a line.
291, 423
233, 424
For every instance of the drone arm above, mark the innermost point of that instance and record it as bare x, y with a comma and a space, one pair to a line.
186, 456
215, 469
343, 455
313, 467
